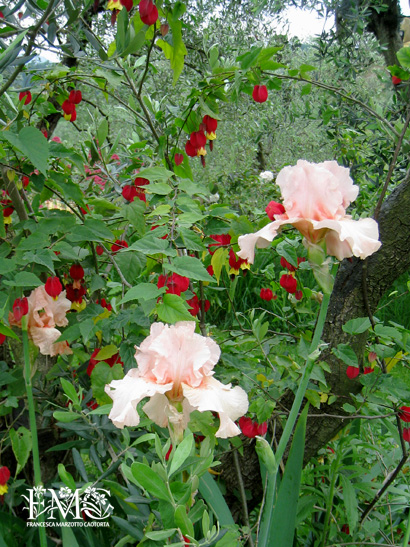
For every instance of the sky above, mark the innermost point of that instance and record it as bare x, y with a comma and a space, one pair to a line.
303, 23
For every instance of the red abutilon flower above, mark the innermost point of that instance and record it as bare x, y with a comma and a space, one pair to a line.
195, 305
404, 413
44, 131
4, 477
118, 245
75, 294
25, 181
274, 208
222, 239
175, 283
129, 192
53, 287
211, 125
298, 295
26, 95
368, 370
75, 96
178, 159
99, 250
345, 529
210, 270
20, 308
352, 372
237, 263
77, 272
260, 93
148, 12
251, 429
2, 339
406, 434
104, 304
289, 283
70, 113
266, 294
396, 80
315, 198
164, 29
285, 264
175, 370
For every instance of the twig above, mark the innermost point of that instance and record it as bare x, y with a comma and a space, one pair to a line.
114, 263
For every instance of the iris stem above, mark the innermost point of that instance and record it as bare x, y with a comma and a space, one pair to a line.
32, 420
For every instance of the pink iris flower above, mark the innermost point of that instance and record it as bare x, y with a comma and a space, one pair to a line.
175, 369
315, 198
45, 313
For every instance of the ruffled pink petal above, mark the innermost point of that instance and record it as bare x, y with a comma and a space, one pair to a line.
260, 239
159, 410
45, 311
45, 338
127, 393
316, 191
175, 353
230, 403
348, 237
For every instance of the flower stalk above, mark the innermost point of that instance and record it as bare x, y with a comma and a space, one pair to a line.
32, 419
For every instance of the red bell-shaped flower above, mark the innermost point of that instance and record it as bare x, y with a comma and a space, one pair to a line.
20, 308
26, 95
75, 96
77, 271
148, 12
274, 208
53, 287
266, 294
260, 93
289, 283
352, 372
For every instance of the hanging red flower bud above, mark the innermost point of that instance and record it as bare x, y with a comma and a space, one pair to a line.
4, 477
190, 150
99, 250
25, 95
75, 96
140, 181
285, 264
352, 372
20, 308
368, 370
298, 295
372, 356
404, 413
164, 29
25, 180
178, 159
260, 93
274, 208
127, 4
198, 139
396, 80
251, 429
53, 287
77, 271
406, 434
148, 12
2, 339
289, 283
266, 294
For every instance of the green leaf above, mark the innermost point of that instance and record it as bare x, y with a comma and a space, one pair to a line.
43, 257
21, 443
24, 279
215, 500
106, 352
346, 354
32, 143
249, 59
135, 44
174, 53
403, 56
156, 174
161, 534
150, 245
172, 309
182, 452
357, 326
4, 329
189, 266
151, 481
183, 522
134, 213
218, 261
278, 527
350, 502
102, 375
102, 132
71, 393
65, 417
142, 291
66, 477
191, 240
160, 188
101, 410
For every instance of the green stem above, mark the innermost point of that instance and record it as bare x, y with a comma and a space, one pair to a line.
32, 419
335, 467
406, 536
297, 403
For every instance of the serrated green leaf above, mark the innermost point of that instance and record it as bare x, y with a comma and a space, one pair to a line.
156, 174
189, 266
24, 279
172, 309
142, 291
32, 143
